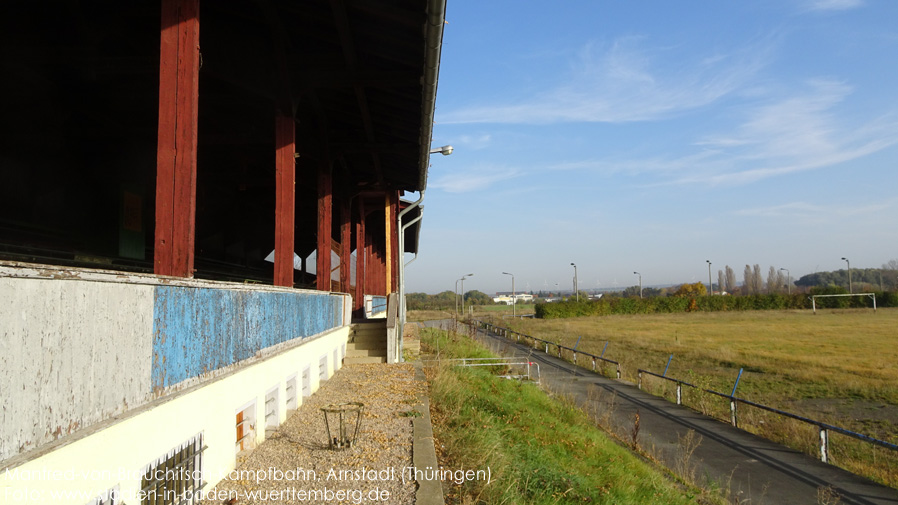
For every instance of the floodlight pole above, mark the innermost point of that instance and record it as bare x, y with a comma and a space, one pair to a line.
514, 299
849, 275
640, 283
710, 285
576, 287
463, 293
788, 280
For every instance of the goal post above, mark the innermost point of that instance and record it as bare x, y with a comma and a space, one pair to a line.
814, 299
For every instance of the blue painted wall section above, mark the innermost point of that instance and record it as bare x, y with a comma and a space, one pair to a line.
198, 330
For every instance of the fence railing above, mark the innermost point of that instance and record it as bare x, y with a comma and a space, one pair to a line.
536, 343
527, 365
824, 428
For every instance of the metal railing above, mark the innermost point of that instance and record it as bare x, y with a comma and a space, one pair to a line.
536, 343
824, 428
375, 306
506, 362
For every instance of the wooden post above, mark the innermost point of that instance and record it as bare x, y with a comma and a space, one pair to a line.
395, 247
177, 138
388, 242
285, 199
361, 257
345, 249
325, 216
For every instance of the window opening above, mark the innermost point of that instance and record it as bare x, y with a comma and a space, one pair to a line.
176, 477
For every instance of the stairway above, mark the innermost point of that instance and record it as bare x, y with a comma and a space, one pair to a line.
367, 343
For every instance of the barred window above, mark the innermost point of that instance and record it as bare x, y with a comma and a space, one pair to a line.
272, 410
109, 497
292, 393
176, 477
322, 368
307, 381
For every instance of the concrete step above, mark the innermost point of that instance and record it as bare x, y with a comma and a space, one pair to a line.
368, 331
362, 353
364, 360
369, 337
371, 324
368, 345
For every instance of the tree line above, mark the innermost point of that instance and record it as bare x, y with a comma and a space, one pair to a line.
754, 283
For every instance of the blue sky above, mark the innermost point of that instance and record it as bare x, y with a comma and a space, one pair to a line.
652, 136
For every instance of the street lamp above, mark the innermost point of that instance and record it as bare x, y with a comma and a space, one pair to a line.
710, 286
445, 150
849, 275
456, 293
576, 288
788, 280
514, 299
640, 283
463, 293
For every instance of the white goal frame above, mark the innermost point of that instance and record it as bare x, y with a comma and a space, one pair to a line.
814, 299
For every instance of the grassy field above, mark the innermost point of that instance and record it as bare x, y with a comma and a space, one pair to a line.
538, 450
839, 366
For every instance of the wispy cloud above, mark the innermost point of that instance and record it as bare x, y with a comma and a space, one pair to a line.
804, 210
832, 5
477, 178
480, 141
624, 82
797, 133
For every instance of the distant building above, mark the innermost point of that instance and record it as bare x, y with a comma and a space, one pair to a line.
509, 299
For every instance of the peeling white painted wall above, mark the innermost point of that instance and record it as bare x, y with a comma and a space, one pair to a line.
72, 353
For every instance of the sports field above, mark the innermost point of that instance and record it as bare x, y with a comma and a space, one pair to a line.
838, 366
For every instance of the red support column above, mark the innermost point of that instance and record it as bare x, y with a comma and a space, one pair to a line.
177, 141
361, 256
395, 246
325, 213
388, 242
285, 199
345, 250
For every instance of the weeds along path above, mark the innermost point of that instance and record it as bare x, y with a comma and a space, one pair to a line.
707, 452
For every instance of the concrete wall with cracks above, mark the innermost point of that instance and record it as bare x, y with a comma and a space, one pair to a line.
81, 346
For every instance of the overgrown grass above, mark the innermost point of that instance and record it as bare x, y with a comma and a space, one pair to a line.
539, 450
836, 367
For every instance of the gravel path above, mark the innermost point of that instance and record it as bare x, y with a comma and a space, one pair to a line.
372, 470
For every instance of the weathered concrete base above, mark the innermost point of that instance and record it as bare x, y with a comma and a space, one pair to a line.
430, 492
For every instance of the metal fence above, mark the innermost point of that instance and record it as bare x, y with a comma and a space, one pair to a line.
545, 345
526, 366
824, 428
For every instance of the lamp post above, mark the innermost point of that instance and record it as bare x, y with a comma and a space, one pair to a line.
463, 293
445, 150
788, 280
514, 299
576, 288
640, 283
456, 292
710, 286
849, 275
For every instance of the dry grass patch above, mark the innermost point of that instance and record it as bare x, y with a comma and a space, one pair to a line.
838, 366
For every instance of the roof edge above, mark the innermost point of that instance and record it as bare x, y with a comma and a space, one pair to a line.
436, 18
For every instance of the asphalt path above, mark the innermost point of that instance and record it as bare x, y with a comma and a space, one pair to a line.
750, 469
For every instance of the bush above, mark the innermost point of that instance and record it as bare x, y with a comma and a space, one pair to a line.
674, 304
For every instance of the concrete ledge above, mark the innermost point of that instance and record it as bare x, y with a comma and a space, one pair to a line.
430, 492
